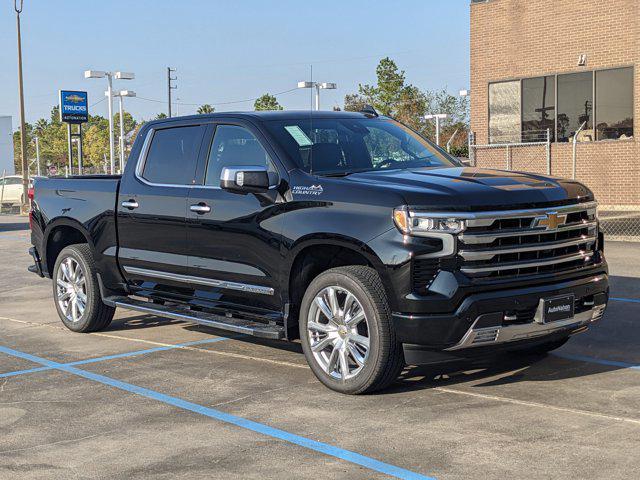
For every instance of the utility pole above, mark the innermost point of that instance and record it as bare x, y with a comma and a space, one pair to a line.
170, 86
17, 5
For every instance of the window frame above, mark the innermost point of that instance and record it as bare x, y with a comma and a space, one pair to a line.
142, 159
593, 72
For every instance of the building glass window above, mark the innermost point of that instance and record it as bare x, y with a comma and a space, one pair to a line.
504, 112
538, 108
614, 104
575, 106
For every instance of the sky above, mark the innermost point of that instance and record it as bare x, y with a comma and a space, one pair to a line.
226, 50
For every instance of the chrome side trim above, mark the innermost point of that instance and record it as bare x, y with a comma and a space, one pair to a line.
502, 214
209, 282
477, 337
487, 254
448, 244
471, 238
518, 265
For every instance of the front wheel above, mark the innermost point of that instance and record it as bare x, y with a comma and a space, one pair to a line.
76, 291
346, 331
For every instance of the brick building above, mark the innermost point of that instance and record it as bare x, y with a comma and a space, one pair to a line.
555, 66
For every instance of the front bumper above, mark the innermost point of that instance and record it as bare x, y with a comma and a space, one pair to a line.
503, 316
479, 335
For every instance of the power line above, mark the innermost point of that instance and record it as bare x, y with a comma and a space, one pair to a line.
98, 102
215, 103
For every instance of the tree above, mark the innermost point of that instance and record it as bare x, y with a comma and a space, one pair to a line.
267, 102
206, 108
392, 96
160, 116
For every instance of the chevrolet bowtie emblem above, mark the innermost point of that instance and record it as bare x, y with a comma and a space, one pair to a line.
551, 221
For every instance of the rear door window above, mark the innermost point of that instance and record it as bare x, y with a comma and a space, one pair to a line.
173, 155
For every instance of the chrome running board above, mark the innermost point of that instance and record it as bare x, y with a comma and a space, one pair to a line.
230, 324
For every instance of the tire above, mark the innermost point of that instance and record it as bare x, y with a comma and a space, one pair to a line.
335, 348
544, 348
95, 315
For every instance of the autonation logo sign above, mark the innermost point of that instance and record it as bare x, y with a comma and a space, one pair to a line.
74, 106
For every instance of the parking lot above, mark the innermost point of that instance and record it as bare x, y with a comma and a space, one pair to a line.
158, 398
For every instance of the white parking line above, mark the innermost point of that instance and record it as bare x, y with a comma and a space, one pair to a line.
162, 344
496, 398
539, 405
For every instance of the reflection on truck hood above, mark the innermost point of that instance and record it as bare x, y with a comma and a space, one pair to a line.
466, 188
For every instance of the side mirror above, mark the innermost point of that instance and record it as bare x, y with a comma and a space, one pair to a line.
249, 179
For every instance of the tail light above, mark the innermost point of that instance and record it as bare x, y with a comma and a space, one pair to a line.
30, 193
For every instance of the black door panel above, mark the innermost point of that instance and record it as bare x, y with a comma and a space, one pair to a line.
234, 239
152, 210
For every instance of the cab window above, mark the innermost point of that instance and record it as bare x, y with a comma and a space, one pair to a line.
173, 155
234, 146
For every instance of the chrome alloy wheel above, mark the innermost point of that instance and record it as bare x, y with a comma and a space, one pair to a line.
71, 289
338, 332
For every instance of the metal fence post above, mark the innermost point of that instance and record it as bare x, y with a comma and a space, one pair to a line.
471, 142
508, 157
548, 151
575, 144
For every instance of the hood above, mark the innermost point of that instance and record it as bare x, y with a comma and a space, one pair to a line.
465, 188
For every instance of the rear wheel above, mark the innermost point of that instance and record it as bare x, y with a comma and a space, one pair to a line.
76, 291
346, 331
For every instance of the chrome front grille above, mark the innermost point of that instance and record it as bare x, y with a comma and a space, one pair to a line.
528, 242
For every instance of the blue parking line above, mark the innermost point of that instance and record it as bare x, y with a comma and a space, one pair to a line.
257, 427
622, 299
599, 361
118, 355
22, 372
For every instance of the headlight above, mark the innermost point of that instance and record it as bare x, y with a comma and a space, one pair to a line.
411, 223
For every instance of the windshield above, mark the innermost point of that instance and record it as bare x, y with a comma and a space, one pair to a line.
339, 146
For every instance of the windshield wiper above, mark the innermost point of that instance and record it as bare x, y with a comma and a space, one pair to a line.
343, 174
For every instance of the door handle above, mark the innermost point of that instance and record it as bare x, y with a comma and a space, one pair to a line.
130, 204
200, 208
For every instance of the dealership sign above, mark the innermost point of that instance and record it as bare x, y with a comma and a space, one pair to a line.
73, 106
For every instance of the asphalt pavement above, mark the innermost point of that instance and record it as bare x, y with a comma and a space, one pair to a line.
156, 398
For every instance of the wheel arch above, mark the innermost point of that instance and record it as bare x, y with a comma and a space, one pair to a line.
61, 233
314, 254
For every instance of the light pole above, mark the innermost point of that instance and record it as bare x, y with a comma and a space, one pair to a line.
438, 117
17, 5
78, 143
110, 76
318, 86
121, 94
38, 154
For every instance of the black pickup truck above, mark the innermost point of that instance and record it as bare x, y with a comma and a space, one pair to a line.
348, 231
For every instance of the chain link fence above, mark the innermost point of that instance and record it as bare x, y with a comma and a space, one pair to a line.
532, 152
620, 222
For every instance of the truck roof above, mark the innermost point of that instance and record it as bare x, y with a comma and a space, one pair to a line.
271, 115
